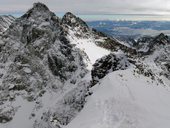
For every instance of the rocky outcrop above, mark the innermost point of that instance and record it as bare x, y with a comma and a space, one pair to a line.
107, 64
113, 44
75, 24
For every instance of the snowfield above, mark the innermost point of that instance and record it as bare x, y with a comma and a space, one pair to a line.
124, 99
88, 46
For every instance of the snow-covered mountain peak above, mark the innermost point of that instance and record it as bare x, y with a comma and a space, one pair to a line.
162, 39
73, 21
40, 6
69, 17
147, 44
35, 23
39, 11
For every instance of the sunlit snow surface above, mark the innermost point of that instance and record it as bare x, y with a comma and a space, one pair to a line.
88, 46
126, 100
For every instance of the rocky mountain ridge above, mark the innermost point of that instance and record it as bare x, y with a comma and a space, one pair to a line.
47, 65
36, 59
5, 22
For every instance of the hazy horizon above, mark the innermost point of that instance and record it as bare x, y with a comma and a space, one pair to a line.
91, 10
96, 17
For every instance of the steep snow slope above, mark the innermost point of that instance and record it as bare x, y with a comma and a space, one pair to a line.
88, 46
84, 38
124, 99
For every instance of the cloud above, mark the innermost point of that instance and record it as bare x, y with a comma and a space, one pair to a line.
92, 6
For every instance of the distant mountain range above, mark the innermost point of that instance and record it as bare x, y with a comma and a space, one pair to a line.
130, 31
131, 28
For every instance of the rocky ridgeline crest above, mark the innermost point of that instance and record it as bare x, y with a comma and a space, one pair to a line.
37, 59
108, 64
147, 45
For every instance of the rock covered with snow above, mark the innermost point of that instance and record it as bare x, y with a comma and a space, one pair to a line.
108, 64
38, 12
147, 45
36, 60
113, 44
154, 52
71, 22
65, 110
5, 22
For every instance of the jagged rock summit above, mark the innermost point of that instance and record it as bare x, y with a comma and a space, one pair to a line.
148, 44
73, 21
39, 10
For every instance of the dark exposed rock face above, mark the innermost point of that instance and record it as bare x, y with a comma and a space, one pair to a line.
107, 64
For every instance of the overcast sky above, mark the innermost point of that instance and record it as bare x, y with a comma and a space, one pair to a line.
91, 6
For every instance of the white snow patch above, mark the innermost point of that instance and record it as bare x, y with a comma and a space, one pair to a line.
93, 51
44, 24
125, 100
2, 42
21, 118
11, 86
27, 70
